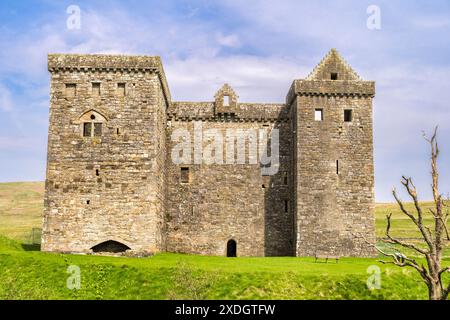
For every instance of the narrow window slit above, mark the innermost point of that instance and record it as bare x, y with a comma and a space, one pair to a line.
185, 175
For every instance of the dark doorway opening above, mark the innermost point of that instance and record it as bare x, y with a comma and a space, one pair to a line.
231, 249
110, 246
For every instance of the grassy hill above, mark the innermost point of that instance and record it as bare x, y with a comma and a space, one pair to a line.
21, 208
29, 274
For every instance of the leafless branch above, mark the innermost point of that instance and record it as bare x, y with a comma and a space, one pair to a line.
434, 237
398, 241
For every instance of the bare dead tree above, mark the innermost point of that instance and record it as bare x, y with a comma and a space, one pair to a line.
433, 240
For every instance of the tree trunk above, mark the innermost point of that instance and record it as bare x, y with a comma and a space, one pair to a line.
435, 292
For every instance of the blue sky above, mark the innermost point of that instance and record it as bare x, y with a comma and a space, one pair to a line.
258, 47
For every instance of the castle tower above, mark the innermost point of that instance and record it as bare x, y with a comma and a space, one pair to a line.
331, 112
105, 185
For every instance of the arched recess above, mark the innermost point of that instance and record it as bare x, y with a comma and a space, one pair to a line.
92, 123
231, 248
87, 114
110, 246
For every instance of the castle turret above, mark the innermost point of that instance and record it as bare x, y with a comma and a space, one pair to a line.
331, 112
105, 186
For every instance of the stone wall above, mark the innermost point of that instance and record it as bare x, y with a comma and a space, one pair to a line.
225, 202
334, 208
334, 162
110, 186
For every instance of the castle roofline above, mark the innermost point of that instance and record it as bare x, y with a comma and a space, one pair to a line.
110, 63
336, 88
333, 61
333, 76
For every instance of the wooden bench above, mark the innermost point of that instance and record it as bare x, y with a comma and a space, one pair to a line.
326, 257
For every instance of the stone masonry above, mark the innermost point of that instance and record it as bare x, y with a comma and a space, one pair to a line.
113, 182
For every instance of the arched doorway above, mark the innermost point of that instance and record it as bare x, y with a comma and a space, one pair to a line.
110, 246
231, 249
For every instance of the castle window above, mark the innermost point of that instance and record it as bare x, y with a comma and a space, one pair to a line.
97, 129
185, 175
87, 129
334, 76
318, 115
92, 124
348, 115
88, 132
71, 90
121, 92
97, 172
96, 89
285, 178
226, 101
337, 166
286, 206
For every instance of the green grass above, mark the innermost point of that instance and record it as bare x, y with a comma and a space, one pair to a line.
28, 274
36, 275
401, 226
21, 208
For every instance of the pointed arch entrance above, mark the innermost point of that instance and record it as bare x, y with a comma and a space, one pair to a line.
231, 248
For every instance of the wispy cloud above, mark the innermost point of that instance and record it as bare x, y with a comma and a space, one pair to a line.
231, 40
259, 52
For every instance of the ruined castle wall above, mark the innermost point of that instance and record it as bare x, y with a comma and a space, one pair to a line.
229, 201
335, 179
111, 186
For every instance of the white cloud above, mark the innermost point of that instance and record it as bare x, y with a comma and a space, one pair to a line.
255, 79
231, 40
289, 40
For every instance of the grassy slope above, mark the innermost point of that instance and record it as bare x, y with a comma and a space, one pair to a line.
401, 226
21, 207
30, 275
36, 275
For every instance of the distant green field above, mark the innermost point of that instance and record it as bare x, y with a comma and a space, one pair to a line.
21, 208
29, 274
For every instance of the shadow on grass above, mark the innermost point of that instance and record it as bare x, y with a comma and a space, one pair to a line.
31, 247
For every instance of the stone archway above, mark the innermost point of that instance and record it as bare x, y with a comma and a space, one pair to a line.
110, 246
231, 248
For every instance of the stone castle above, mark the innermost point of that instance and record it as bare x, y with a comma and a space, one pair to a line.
112, 184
